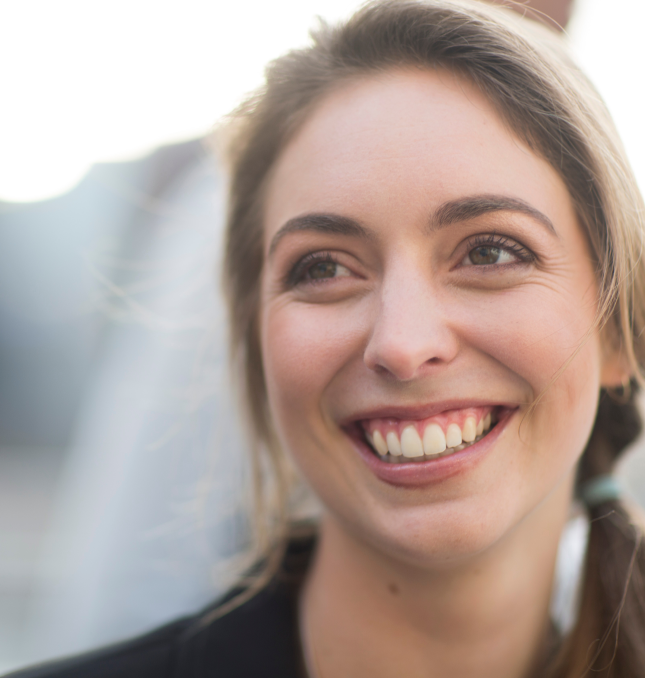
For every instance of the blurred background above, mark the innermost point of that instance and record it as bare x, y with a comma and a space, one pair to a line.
121, 456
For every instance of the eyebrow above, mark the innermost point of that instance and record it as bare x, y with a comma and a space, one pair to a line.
461, 209
322, 223
471, 207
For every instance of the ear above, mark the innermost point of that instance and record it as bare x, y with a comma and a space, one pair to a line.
615, 370
614, 375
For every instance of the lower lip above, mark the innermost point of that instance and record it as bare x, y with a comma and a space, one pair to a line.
421, 473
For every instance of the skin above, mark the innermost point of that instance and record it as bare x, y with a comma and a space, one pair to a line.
451, 578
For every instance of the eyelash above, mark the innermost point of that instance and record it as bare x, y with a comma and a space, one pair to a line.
501, 242
297, 274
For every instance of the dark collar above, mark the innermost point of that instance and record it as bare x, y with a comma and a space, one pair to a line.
259, 638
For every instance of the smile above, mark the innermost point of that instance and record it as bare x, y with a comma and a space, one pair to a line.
399, 441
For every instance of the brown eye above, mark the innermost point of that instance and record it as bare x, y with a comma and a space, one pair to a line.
488, 255
484, 255
326, 269
323, 269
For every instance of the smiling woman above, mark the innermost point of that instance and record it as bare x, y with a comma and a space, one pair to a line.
437, 298
435, 282
446, 239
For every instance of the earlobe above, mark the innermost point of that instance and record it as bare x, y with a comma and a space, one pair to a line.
616, 371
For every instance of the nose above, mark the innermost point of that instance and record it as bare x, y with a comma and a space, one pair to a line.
411, 332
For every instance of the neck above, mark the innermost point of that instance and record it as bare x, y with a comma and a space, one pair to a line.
367, 614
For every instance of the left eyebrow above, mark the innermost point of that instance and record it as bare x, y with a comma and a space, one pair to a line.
471, 207
323, 223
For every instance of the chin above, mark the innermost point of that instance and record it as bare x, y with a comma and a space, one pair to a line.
438, 536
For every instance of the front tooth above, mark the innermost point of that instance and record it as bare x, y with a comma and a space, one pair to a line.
379, 443
480, 426
453, 435
487, 422
434, 440
393, 444
411, 442
469, 432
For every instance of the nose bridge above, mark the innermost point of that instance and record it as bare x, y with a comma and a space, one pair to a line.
410, 330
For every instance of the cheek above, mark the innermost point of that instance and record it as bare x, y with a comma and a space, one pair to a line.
542, 337
568, 407
304, 347
533, 331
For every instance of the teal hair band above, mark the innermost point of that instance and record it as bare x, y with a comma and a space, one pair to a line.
599, 490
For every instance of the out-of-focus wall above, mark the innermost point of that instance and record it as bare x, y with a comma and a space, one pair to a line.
50, 337
120, 452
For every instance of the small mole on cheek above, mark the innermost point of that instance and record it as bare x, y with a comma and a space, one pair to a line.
393, 589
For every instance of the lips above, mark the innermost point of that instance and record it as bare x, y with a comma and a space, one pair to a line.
408, 450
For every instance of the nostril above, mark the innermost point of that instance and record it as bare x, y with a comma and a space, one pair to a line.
400, 348
379, 369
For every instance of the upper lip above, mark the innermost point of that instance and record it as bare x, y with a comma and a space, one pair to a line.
422, 411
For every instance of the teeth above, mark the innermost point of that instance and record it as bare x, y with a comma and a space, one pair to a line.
469, 432
379, 443
411, 442
434, 440
393, 444
480, 427
453, 436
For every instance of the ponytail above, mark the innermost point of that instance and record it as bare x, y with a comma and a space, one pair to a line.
608, 639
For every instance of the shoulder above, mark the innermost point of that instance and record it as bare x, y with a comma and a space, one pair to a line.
240, 643
258, 638
147, 656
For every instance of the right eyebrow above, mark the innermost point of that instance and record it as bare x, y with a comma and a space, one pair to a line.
471, 207
322, 223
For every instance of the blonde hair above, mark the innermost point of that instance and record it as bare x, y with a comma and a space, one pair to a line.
526, 73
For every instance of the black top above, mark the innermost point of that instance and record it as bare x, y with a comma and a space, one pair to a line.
258, 639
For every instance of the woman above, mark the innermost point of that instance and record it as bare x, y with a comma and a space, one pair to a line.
433, 266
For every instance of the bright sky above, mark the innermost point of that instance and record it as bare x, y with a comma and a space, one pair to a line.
87, 81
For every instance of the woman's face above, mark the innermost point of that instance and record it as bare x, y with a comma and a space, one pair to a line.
425, 280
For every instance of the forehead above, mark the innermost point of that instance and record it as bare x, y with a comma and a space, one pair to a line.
415, 138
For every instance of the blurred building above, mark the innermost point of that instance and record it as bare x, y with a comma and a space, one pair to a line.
114, 403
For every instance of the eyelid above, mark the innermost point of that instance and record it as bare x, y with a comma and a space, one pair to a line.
503, 242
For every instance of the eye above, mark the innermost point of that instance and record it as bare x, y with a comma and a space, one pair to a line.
495, 250
486, 255
326, 269
316, 267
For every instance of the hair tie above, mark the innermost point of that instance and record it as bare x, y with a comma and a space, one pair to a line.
599, 490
